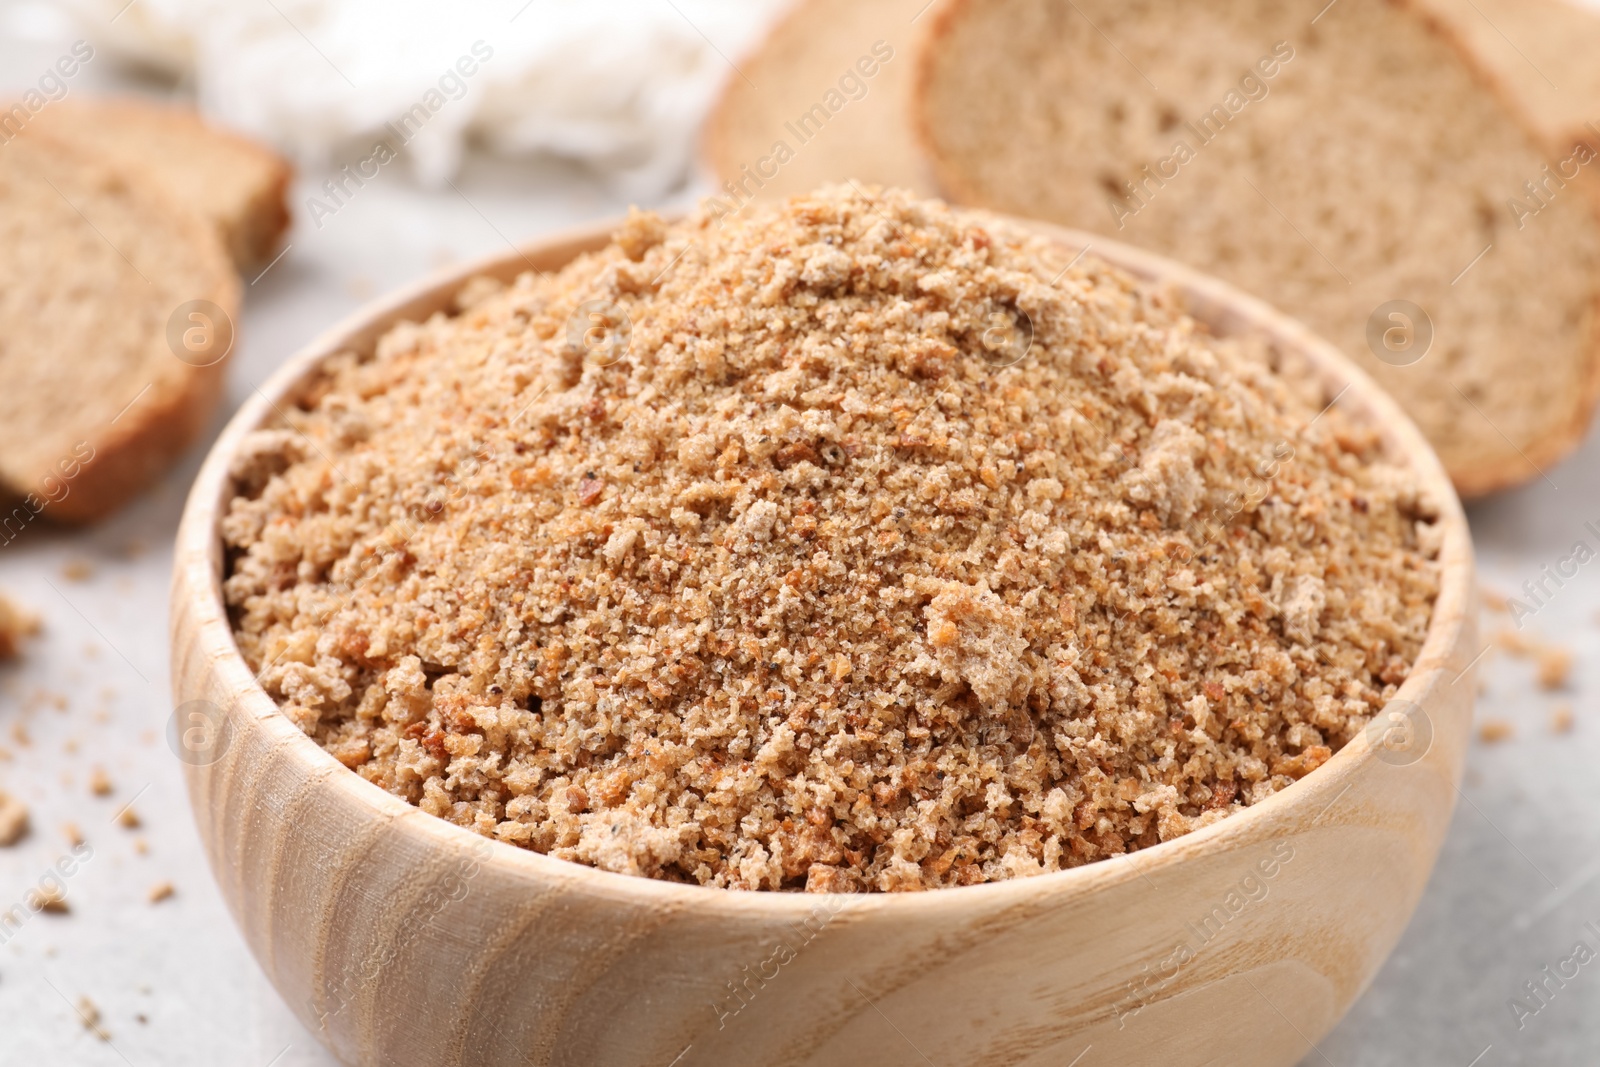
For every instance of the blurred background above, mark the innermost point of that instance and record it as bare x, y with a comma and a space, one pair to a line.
577, 111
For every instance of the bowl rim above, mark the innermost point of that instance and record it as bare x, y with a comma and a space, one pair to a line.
198, 563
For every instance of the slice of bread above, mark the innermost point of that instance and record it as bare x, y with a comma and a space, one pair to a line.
1542, 55
102, 283
1331, 163
864, 136
237, 184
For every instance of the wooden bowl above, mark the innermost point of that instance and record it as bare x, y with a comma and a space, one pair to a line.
400, 938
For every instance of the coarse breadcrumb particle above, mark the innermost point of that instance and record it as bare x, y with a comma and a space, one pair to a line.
1562, 719
1493, 731
16, 623
857, 544
89, 1015
1555, 666
1553, 661
13, 820
50, 898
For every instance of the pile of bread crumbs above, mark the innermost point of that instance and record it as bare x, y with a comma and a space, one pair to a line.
875, 545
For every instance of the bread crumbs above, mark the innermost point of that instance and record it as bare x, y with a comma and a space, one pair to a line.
13, 820
16, 623
870, 545
1493, 731
1562, 720
89, 1015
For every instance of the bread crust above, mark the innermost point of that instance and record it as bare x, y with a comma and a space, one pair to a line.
1563, 435
253, 232
159, 425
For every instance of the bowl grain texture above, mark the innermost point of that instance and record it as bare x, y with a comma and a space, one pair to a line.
401, 939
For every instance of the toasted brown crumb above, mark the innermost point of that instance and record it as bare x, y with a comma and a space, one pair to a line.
1518, 644
128, 818
77, 570
51, 898
893, 552
89, 1014
16, 623
73, 834
100, 782
1492, 731
141, 846
13, 820
1562, 720
1555, 666
160, 891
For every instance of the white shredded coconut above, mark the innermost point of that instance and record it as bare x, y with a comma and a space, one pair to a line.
621, 85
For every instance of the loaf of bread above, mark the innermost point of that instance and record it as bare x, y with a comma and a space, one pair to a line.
117, 307
1360, 168
236, 183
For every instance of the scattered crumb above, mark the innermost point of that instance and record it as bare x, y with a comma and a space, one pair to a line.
91, 1018
141, 846
1554, 661
1494, 600
133, 549
52, 898
100, 782
70, 746
128, 819
13, 820
1517, 644
19, 733
16, 623
1562, 719
1495, 730
1555, 666
141, 1018
73, 834
160, 891
78, 570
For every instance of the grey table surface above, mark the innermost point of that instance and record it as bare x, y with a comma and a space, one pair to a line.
174, 984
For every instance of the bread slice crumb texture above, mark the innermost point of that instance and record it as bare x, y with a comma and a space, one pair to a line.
891, 549
1329, 168
235, 183
94, 265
